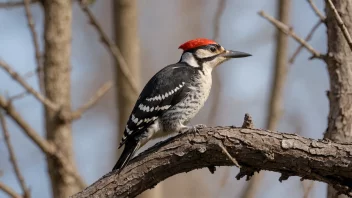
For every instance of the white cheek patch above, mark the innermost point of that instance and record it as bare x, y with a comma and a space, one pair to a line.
189, 59
202, 53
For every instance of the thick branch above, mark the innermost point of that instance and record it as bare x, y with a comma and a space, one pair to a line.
254, 149
341, 24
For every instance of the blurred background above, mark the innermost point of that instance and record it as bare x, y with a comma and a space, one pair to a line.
241, 86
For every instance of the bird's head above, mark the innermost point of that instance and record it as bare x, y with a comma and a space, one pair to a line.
204, 52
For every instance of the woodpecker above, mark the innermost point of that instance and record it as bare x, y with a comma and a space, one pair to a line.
173, 96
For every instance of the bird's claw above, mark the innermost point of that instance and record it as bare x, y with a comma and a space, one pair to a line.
194, 129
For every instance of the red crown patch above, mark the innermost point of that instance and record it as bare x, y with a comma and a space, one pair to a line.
196, 43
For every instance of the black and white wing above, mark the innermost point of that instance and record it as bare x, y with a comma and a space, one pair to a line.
164, 90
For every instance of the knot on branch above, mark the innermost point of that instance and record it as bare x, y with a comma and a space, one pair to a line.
247, 122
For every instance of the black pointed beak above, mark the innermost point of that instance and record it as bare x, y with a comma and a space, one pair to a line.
235, 54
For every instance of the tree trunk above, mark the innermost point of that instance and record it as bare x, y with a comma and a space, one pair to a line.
58, 17
277, 88
339, 63
125, 21
126, 36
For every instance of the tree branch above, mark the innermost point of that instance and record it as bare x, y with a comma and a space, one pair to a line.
287, 30
69, 116
15, 4
26, 86
308, 37
9, 191
113, 48
12, 155
316, 10
254, 149
341, 24
35, 39
43, 144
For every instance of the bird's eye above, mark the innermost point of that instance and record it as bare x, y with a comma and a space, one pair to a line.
212, 49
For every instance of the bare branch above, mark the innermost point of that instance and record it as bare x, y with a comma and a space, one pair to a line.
256, 149
309, 36
341, 24
284, 28
9, 191
217, 18
113, 48
18, 96
216, 77
25, 85
44, 145
15, 4
31, 25
90, 103
12, 155
316, 10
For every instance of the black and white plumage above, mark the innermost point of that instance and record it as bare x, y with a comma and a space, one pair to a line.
173, 96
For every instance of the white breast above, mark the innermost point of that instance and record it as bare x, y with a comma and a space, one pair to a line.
195, 99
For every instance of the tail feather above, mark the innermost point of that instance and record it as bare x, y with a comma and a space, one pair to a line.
127, 154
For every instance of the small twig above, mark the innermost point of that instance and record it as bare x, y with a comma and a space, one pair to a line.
229, 156
287, 30
91, 102
25, 85
13, 159
341, 24
9, 191
18, 96
34, 34
32, 73
15, 4
309, 36
113, 48
316, 10
307, 189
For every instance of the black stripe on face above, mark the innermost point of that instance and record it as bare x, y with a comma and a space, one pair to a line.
199, 60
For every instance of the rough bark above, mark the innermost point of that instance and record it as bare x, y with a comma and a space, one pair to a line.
58, 17
254, 150
339, 63
277, 88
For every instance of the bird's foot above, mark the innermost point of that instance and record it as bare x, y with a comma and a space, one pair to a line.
194, 128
